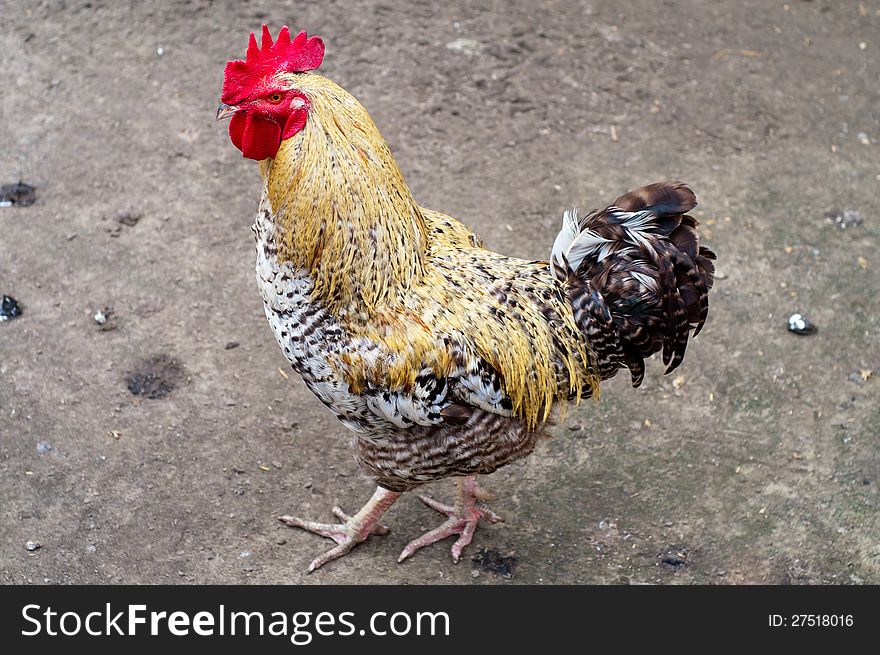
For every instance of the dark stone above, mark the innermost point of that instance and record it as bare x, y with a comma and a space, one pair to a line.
18, 194
9, 308
674, 556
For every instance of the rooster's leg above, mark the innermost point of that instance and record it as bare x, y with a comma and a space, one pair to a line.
462, 521
352, 530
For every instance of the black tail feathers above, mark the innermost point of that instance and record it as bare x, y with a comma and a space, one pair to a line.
638, 277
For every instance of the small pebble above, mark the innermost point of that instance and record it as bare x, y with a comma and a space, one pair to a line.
33, 545
43, 447
105, 319
231, 344
800, 324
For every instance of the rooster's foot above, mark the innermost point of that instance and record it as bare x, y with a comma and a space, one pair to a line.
462, 521
351, 531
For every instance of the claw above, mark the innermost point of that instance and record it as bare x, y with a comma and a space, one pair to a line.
335, 531
462, 521
351, 531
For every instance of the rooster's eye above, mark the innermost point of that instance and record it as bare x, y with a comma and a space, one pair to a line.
275, 98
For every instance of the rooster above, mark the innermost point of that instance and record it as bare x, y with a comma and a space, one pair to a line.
444, 358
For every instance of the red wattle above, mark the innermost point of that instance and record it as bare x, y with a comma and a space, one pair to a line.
236, 129
256, 137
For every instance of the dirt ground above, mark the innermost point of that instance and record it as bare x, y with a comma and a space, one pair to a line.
757, 462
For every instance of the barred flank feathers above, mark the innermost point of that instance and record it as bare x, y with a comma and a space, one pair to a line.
638, 277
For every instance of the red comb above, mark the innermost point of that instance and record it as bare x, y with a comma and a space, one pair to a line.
296, 56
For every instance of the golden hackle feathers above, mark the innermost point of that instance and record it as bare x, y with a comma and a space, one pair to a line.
413, 281
343, 205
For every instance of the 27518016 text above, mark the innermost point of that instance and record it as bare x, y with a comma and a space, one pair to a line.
810, 621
